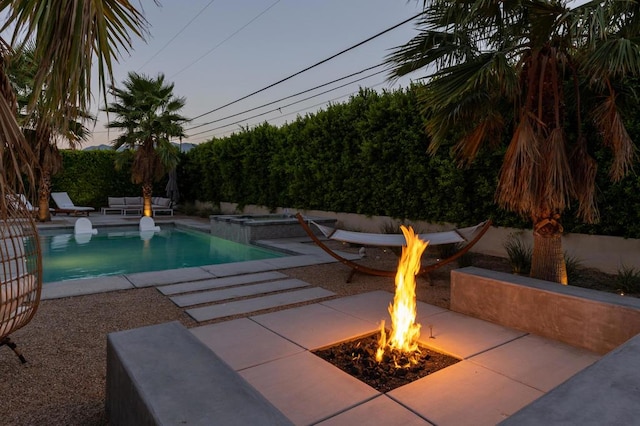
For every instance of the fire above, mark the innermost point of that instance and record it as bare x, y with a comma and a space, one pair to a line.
404, 330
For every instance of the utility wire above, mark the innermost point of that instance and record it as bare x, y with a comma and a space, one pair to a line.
305, 108
288, 97
226, 39
310, 67
177, 34
288, 105
279, 100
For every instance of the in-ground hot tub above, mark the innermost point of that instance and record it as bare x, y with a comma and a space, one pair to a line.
245, 228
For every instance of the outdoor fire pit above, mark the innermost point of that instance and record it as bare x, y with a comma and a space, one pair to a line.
358, 358
392, 358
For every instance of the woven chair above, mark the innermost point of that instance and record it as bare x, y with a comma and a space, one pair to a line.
20, 270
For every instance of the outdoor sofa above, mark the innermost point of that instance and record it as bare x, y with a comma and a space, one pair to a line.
134, 205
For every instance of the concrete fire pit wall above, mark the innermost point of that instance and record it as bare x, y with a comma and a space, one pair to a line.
585, 318
163, 375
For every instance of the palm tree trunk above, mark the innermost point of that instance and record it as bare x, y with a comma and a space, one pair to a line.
547, 262
44, 192
147, 193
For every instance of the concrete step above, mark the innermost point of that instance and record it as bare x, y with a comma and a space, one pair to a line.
236, 292
255, 304
209, 284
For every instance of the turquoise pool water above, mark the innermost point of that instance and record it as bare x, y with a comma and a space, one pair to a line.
117, 251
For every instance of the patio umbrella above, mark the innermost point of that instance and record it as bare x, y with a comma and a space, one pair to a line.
172, 186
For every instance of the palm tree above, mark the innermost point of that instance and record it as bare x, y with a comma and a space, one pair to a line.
69, 36
552, 67
147, 112
39, 133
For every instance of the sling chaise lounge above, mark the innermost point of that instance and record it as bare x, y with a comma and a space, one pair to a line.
65, 205
467, 236
21, 201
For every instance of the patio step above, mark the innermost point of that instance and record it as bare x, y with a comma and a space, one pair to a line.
236, 292
209, 284
247, 306
240, 294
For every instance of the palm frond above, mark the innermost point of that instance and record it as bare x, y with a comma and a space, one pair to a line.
614, 133
68, 36
613, 58
488, 129
584, 168
516, 184
555, 178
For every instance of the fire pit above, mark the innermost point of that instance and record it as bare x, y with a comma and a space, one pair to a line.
358, 358
394, 358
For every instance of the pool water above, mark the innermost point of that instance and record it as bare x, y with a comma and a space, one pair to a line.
117, 251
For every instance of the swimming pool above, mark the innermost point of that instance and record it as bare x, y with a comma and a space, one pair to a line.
117, 251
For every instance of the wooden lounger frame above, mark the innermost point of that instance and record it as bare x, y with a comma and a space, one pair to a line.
384, 273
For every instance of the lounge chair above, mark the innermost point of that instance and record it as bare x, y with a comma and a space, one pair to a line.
148, 224
148, 228
467, 236
65, 205
83, 230
19, 200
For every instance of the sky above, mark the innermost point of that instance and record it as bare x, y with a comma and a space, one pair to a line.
219, 51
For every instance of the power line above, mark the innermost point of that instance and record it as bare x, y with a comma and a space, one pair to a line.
177, 34
288, 105
310, 67
226, 39
309, 107
288, 97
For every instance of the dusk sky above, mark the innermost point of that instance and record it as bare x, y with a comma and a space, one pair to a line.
219, 51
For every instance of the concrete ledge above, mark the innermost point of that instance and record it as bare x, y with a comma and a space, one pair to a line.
585, 318
605, 393
163, 375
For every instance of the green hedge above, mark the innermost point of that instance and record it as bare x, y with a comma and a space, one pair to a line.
369, 156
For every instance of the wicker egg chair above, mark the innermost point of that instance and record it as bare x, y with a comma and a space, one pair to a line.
20, 269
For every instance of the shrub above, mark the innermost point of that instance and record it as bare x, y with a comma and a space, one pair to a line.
628, 280
574, 268
519, 255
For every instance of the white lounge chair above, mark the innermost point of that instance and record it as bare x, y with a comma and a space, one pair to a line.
83, 230
65, 205
19, 200
148, 224
148, 228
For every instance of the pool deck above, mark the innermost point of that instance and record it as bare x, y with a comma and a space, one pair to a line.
502, 369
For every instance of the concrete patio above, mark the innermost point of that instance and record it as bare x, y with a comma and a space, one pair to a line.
502, 370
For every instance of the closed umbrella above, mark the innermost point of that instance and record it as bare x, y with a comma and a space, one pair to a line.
172, 187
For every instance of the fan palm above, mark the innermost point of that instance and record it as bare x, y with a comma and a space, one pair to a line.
37, 128
553, 67
147, 113
69, 36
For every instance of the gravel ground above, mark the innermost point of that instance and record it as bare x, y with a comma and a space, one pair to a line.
63, 382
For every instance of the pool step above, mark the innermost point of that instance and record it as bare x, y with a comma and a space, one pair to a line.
240, 294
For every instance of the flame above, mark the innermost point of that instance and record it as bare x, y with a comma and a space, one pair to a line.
404, 330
